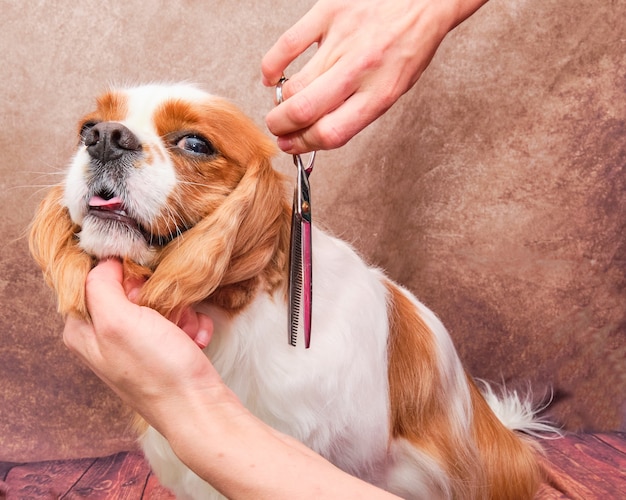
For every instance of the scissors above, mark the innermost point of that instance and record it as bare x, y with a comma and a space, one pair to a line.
300, 250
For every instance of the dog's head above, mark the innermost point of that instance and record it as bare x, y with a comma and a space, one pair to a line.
176, 182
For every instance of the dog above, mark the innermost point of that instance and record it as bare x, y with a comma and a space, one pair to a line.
179, 184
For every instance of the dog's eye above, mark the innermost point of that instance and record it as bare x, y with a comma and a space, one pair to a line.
196, 144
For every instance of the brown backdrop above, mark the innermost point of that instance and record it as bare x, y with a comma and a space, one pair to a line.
494, 190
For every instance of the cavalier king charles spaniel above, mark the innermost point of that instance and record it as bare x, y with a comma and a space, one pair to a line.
179, 184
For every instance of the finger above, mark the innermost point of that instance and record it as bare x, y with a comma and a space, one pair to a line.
133, 291
205, 331
132, 287
108, 270
188, 322
320, 97
197, 326
336, 128
329, 51
289, 46
106, 297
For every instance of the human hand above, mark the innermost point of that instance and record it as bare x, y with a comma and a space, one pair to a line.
369, 54
147, 360
158, 370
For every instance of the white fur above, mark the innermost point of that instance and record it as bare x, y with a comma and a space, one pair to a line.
518, 413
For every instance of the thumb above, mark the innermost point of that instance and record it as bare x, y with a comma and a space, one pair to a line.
104, 289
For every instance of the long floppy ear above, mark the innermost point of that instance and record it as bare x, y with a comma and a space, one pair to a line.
235, 243
54, 246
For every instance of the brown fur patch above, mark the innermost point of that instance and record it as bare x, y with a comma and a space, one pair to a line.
510, 463
419, 400
413, 380
54, 246
111, 106
204, 183
493, 462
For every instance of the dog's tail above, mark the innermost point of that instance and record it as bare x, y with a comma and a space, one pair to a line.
505, 428
518, 412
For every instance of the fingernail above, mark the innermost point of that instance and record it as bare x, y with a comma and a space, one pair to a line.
133, 294
285, 144
202, 338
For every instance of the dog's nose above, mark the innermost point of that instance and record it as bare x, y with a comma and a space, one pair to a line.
108, 141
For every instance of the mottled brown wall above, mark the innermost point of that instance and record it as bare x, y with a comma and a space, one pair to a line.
494, 190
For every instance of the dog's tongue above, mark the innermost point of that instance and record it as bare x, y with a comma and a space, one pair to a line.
114, 203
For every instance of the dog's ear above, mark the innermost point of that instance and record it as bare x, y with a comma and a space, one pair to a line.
235, 243
54, 246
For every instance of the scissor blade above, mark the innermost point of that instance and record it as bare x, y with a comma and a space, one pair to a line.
307, 279
295, 276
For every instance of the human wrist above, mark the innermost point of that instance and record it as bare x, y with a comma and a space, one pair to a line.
192, 407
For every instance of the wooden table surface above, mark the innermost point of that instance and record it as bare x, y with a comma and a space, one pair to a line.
580, 466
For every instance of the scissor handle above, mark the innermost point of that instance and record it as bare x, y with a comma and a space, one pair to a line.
297, 159
279, 89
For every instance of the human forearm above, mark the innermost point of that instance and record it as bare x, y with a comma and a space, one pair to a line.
244, 458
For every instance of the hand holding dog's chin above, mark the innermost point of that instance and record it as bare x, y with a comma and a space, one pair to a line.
151, 363
369, 53
160, 372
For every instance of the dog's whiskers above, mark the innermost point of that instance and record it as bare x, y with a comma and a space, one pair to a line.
36, 188
173, 230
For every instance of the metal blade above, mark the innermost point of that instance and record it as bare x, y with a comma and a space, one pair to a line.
307, 279
295, 276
